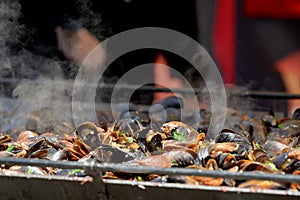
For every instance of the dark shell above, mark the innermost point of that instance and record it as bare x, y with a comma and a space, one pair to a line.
287, 162
273, 148
226, 161
228, 135
260, 156
109, 154
182, 158
296, 114
88, 133
149, 139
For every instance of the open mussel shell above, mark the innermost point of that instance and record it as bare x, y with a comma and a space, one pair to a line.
134, 115
40, 143
81, 147
274, 148
226, 161
176, 158
296, 114
254, 128
24, 135
259, 155
179, 131
149, 140
5, 138
290, 128
182, 157
228, 135
269, 121
288, 161
249, 166
108, 154
88, 133
215, 150
62, 154
128, 126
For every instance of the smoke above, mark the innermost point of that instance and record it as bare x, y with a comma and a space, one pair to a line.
36, 86
9, 33
34, 92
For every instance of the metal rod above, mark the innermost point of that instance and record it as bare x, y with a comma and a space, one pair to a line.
151, 89
248, 93
149, 170
271, 95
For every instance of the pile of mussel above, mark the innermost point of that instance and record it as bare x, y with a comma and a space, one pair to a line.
264, 145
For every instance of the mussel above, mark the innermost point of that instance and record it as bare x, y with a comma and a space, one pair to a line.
240, 138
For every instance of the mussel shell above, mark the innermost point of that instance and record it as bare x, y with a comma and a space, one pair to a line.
5, 138
16, 147
154, 142
134, 115
227, 135
169, 127
102, 119
225, 147
149, 139
155, 161
88, 133
273, 148
60, 155
182, 158
175, 179
226, 161
29, 170
189, 133
212, 164
257, 131
41, 153
269, 121
204, 154
260, 156
210, 181
26, 134
290, 128
215, 150
81, 147
256, 166
50, 153
39, 144
109, 154
128, 126
260, 184
286, 163
296, 114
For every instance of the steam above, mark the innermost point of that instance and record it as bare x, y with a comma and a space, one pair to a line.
9, 32
35, 93
33, 87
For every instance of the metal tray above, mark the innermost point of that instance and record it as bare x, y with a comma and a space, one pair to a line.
18, 186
